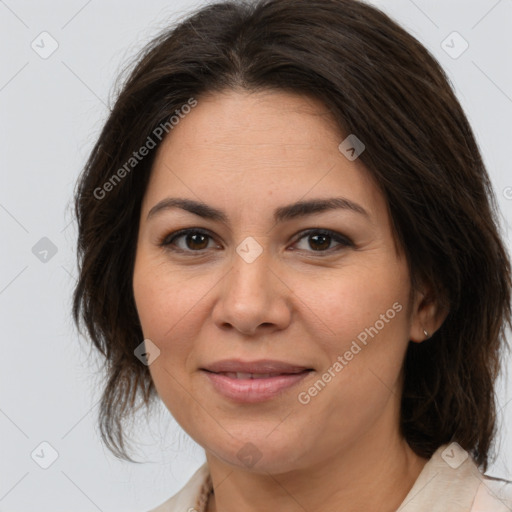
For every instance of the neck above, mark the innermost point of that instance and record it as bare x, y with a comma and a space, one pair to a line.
375, 473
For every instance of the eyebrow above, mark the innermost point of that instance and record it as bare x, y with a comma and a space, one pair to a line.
281, 214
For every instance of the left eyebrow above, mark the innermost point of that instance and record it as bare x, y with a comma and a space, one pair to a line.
303, 208
281, 214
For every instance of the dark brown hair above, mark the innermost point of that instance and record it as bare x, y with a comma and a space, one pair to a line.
379, 83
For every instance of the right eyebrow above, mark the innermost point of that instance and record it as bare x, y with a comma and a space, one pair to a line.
195, 207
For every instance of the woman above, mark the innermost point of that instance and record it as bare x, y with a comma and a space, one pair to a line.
287, 234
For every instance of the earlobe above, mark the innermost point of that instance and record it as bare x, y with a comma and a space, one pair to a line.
428, 315
420, 335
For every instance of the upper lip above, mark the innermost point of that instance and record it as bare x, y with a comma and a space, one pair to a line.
260, 366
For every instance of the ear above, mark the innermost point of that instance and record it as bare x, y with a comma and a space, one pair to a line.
427, 315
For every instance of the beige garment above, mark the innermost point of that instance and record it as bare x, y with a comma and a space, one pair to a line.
449, 482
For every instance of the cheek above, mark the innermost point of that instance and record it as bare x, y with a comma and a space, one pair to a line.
171, 310
159, 313
165, 298
341, 307
361, 326
363, 362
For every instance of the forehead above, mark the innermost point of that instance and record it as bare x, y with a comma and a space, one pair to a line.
239, 146
255, 122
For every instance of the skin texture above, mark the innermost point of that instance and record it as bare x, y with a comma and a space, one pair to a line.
248, 154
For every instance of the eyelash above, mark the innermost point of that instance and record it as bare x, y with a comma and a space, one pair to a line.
167, 242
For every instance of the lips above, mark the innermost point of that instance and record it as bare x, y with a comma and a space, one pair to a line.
244, 375
254, 381
260, 367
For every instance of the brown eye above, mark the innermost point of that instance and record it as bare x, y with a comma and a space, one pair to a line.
196, 241
188, 240
322, 241
319, 242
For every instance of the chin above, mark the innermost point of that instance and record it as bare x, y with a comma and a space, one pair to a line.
259, 453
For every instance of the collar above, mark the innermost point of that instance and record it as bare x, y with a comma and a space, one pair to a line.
449, 482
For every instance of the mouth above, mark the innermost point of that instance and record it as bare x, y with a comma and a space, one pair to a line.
256, 385
259, 367
245, 376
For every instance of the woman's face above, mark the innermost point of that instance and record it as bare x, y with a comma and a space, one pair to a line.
268, 271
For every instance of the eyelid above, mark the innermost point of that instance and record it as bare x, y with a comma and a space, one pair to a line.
181, 232
342, 240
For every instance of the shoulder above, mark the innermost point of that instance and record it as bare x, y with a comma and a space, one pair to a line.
493, 495
189, 497
452, 481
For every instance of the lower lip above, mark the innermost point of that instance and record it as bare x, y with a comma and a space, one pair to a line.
254, 390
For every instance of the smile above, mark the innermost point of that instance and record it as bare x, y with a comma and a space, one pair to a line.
244, 387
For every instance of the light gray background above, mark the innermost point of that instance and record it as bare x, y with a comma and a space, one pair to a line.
51, 111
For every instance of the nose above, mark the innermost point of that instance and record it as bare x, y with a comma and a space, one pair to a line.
252, 298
